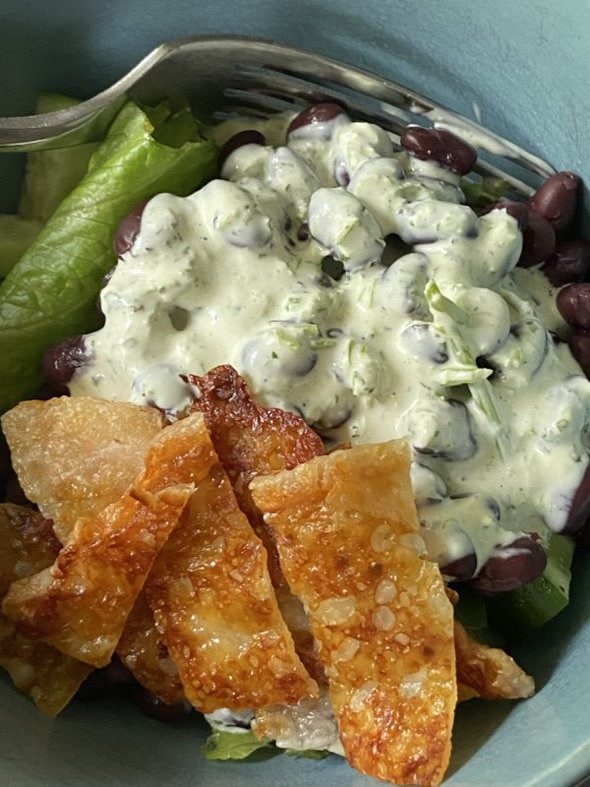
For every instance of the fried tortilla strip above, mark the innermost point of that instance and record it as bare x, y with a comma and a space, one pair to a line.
215, 606
487, 672
251, 440
347, 536
75, 455
143, 651
80, 604
41, 672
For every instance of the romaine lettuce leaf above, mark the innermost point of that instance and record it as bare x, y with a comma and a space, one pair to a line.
50, 294
232, 745
308, 754
16, 235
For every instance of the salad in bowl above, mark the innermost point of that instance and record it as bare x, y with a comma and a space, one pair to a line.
297, 418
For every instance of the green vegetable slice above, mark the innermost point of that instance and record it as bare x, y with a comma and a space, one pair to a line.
232, 745
480, 194
50, 294
471, 611
16, 235
308, 754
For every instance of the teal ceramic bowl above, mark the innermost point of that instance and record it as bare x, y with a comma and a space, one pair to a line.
526, 66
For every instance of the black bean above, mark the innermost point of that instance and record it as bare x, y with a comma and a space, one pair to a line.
316, 113
61, 361
573, 302
461, 569
303, 232
247, 137
334, 416
569, 262
518, 211
454, 441
332, 268
538, 240
433, 144
579, 513
341, 174
128, 230
579, 344
556, 199
512, 566
423, 340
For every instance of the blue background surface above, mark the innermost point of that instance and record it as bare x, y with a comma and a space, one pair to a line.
527, 66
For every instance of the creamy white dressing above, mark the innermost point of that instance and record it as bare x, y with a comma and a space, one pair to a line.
450, 344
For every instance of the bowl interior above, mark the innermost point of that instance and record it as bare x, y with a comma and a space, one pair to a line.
525, 67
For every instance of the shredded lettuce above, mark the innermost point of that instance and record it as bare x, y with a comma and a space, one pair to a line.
308, 754
240, 744
448, 317
235, 745
50, 293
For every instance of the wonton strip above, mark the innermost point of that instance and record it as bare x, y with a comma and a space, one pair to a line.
251, 440
50, 678
80, 604
143, 651
346, 532
214, 604
75, 455
487, 672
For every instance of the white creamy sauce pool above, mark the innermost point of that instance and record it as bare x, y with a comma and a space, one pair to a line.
450, 344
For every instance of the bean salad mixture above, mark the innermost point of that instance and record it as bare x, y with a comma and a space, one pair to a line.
349, 282
372, 285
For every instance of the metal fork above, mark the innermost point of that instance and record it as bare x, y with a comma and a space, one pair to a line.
232, 76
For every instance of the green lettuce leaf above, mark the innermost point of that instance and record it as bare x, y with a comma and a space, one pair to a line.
50, 294
308, 754
16, 235
232, 745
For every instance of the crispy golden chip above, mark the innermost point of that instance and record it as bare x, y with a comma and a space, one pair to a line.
251, 440
74, 456
43, 673
80, 604
298, 623
214, 603
346, 531
143, 651
487, 672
